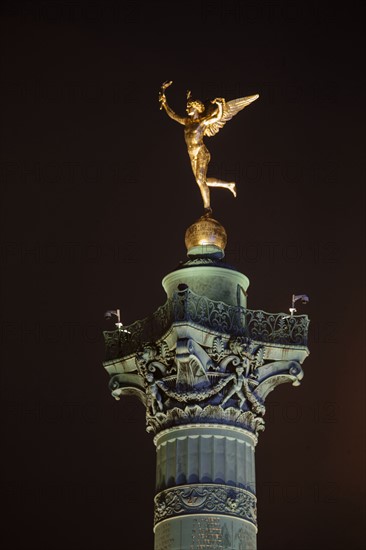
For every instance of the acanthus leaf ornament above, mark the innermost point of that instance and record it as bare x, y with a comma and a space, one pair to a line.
193, 382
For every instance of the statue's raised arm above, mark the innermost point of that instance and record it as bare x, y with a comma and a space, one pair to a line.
164, 104
204, 121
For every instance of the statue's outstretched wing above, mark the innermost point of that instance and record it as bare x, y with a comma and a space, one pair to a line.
230, 109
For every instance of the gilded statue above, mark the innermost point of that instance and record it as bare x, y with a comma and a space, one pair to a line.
204, 121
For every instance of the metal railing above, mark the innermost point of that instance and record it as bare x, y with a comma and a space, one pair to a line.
187, 307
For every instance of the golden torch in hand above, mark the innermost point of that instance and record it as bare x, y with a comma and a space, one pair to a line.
162, 98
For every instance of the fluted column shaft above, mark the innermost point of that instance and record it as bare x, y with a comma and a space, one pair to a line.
205, 486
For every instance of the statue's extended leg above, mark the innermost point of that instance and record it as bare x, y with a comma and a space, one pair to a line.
205, 192
214, 182
199, 166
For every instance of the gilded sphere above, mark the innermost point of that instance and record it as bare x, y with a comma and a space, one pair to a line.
206, 232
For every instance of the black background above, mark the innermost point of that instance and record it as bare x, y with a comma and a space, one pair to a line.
97, 192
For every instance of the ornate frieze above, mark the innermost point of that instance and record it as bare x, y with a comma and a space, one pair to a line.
205, 499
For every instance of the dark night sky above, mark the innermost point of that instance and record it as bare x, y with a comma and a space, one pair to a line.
97, 193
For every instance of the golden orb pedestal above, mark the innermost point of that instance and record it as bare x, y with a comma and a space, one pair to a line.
206, 237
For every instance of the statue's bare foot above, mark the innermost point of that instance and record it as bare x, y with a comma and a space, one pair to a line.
232, 187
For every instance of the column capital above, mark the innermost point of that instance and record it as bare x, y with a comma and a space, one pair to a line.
198, 376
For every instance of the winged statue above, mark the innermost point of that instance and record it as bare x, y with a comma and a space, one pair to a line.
204, 121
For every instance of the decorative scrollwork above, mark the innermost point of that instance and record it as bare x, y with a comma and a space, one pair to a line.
186, 306
205, 499
153, 356
184, 384
293, 374
277, 328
